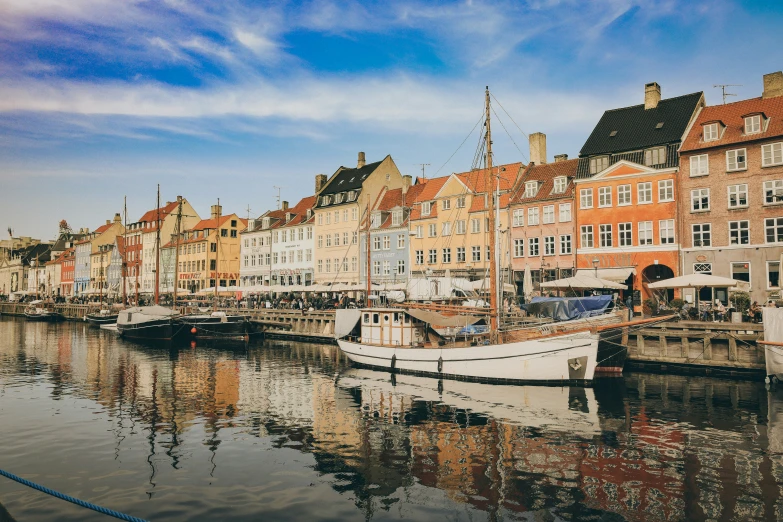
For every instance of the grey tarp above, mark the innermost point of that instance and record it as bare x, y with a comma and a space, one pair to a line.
436, 319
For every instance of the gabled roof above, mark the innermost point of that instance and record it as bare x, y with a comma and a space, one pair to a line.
545, 175
349, 179
152, 215
120, 242
637, 127
732, 116
477, 180
426, 193
298, 212
217, 222
477, 204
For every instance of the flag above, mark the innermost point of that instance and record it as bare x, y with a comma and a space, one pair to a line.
10, 233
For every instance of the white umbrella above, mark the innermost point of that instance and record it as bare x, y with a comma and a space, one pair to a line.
583, 282
696, 281
527, 284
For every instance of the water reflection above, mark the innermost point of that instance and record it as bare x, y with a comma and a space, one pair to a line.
289, 430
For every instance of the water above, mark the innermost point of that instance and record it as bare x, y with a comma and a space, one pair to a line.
288, 431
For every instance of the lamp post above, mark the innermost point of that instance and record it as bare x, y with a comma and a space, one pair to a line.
596, 262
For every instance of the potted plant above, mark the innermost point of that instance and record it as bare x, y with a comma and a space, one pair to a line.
741, 302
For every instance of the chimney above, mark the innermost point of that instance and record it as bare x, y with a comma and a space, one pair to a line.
406, 184
361, 163
108, 221
538, 148
215, 211
117, 218
179, 198
773, 85
285, 205
560, 157
320, 181
652, 95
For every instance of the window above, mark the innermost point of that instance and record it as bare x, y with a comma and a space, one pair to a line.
605, 235
426, 208
375, 220
772, 154
345, 216
320, 266
519, 248
386, 268
644, 192
655, 156
475, 253
460, 254
420, 257
549, 245
386, 242
532, 247
605, 196
459, 226
773, 228
461, 202
223, 232
337, 212
549, 214
739, 232
565, 212
345, 238
433, 229
700, 165
475, 226
400, 241
559, 185
740, 271
753, 124
623, 195
519, 217
702, 235
446, 229
376, 243
645, 233
773, 191
446, 255
354, 214
586, 198
336, 239
711, 132
626, 234
736, 160
565, 244
598, 164
354, 238
445, 204
738, 196
666, 190
419, 231
376, 268
532, 216
587, 236
396, 218
433, 256
329, 218
400, 267
531, 187
700, 200
773, 274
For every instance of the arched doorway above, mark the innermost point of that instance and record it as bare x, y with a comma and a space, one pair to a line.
655, 273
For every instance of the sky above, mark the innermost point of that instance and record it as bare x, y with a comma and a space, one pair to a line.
102, 99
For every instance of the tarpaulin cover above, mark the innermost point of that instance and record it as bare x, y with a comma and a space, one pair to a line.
566, 308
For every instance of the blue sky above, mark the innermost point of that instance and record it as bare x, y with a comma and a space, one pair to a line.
105, 98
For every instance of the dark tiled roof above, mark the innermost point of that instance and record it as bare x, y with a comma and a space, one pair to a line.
349, 179
732, 116
672, 160
636, 127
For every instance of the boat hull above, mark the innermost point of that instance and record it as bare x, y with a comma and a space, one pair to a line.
97, 320
611, 357
46, 317
208, 327
552, 360
158, 330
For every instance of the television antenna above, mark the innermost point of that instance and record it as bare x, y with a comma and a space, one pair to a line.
723, 89
277, 198
248, 211
422, 165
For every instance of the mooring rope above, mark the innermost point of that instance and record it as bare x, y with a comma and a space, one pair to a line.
62, 496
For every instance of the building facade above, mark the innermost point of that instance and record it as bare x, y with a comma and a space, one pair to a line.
342, 203
625, 194
256, 247
67, 272
293, 245
731, 191
114, 276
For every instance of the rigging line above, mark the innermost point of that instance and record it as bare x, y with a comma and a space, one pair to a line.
461, 144
507, 133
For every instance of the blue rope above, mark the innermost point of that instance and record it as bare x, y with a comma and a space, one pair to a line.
61, 496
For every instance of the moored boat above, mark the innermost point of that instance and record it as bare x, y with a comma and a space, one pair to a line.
215, 325
40, 311
103, 316
150, 323
772, 319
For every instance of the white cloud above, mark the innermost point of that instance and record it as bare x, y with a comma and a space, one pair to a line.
261, 45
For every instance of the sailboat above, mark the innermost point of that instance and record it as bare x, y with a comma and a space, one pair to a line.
405, 339
103, 315
151, 323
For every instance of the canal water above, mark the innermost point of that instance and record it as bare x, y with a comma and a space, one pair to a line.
289, 431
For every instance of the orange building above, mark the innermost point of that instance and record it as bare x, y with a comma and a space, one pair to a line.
626, 195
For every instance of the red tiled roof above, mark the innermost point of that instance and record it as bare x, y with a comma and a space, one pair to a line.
299, 212
477, 205
476, 180
152, 215
545, 175
213, 222
103, 228
731, 115
426, 193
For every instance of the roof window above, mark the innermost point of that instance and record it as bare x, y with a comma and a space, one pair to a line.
659, 125
613, 134
753, 124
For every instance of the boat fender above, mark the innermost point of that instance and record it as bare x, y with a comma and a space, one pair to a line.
193, 330
394, 362
440, 364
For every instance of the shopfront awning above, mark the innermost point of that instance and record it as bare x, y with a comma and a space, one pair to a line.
618, 275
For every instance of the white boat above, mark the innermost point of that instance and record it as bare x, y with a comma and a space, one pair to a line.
773, 342
405, 340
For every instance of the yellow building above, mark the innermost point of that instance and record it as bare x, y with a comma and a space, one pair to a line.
94, 243
208, 253
450, 224
99, 266
340, 209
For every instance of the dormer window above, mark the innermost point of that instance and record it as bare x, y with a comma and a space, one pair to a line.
288, 217
531, 187
265, 223
598, 163
711, 132
375, 220
396, 218
559, 185
655, 156
352, 195
426, 208
753, 124
338, 198
309, 213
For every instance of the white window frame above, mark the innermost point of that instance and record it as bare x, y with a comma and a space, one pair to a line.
559, 185
531, 188
548, 216
519, 247
532, 216
566, 246
586, 198
604, 197
753, 124
666, 226
605, 232
625, 234
586, 236
737, 190
777, 222
644, 188
739, 228
666, 186
711, 132
549, 245
697, 200
644, 231
459, 227
700, 165
733, 156
533, 247
475, 226
445, 204
519, 217
426, 208
701, 233
432, 230
769, 151
624, 197
772, 185
446, 228
769, 287
565, 212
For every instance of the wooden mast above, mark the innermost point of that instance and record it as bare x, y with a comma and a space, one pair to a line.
369, 271
217, 254
490, 188
122, 255
176, 251
157, 252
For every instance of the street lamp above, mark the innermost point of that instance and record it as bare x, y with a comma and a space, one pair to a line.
596, 262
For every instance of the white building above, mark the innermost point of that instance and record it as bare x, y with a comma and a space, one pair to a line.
293, 244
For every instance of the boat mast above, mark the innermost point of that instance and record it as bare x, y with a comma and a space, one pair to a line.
176, 251
493, 297
369, 272
157, 252
122, 255
100, 277
217, 254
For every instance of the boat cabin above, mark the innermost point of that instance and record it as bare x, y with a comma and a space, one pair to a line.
390, 327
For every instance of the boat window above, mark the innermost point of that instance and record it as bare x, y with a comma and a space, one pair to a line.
375, 318
396, 317
129, 316
367, 318
385, 319
407, 319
